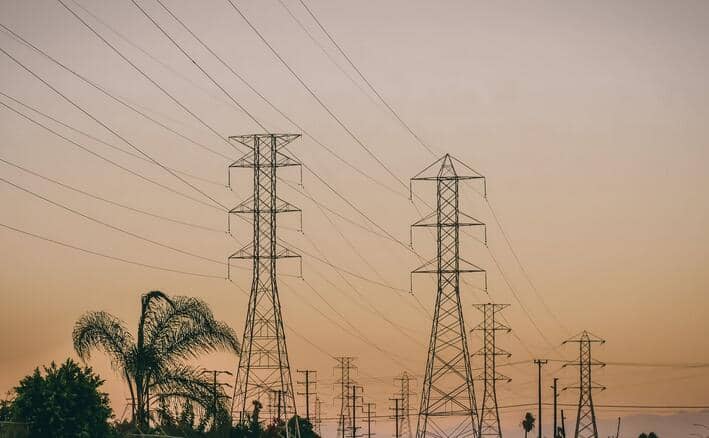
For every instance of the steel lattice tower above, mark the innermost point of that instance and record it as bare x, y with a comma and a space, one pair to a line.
264, 371
489, 425
447, 406
586, 418
345, 365
404, 383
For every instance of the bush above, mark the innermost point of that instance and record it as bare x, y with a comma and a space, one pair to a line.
62, 402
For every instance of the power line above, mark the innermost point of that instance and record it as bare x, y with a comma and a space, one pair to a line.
113, 163
108, 94
106, 224
165, 65
239, 105
119, 259
96, 139
369, 84
241, 78
108, 201
80, 108
145, 75
315, 96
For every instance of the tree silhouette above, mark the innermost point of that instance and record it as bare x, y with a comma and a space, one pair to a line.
170, 330
648, 435
61, 402
528, 423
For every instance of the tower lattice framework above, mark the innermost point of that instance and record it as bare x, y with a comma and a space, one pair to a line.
345, 366
404, 384
489, 425
447, 404
586, 417
264, 373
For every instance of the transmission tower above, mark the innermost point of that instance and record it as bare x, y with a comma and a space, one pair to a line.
264, 370
345, 366
489, 413
447, 406
404, 385
586, 418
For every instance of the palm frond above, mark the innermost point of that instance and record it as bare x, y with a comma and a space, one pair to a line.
103, 331
189, 329
184, 382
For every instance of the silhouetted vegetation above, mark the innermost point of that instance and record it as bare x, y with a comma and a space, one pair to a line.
170, 330
528, 423
60, 402
274, 429
648, 435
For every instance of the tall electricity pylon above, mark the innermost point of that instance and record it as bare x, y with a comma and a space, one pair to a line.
447, 406
345, 366
586, 418
264, 369
489, 425
404, 384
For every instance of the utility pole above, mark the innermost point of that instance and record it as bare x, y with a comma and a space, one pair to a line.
447, 402
540, 363
318, 415
345, 366
397, 416
617, 431
556, 398
563, 424
355, 405
370, 405
404, 385
586, 417
308, 381
489, 425
215, 391
263, 364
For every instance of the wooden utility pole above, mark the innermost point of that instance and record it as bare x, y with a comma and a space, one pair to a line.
556, 397
540, 363
369, 419
307, 383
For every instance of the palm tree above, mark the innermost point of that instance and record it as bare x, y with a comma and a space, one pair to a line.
528, 423
170, 330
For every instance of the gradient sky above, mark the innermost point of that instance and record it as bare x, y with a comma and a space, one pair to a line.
587, 118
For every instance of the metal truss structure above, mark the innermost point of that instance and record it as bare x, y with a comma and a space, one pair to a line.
586, 418
264, 371
489, 425
447, 404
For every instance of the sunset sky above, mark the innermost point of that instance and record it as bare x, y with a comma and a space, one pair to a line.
588, 120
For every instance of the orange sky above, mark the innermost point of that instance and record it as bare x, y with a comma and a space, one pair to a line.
588, 120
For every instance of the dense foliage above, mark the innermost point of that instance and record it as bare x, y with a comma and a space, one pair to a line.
63, 401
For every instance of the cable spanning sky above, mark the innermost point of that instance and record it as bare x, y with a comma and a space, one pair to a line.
587, 120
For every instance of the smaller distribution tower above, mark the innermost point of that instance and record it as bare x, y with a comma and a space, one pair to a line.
489, 413
586, 418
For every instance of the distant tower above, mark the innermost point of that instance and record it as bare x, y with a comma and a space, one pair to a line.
489, 414
448, 396
586, 418
345, 366
264, 371
404, 384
